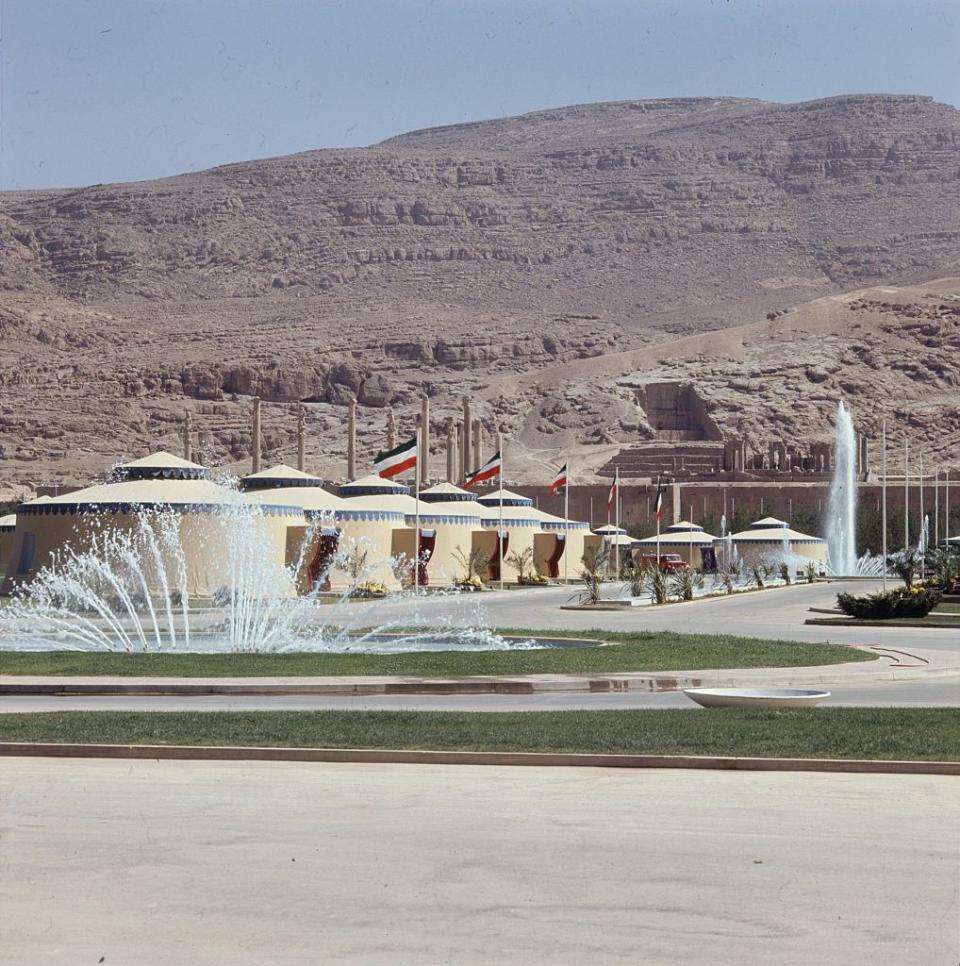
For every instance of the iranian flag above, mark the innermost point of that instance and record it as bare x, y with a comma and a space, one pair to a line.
559, 481
488, 471
658, 504
398, 460
612, 495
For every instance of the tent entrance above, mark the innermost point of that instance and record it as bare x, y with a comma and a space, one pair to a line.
494, 565
426, 545
319, 567
553, 561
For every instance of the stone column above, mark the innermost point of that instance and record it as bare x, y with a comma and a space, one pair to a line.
188, 436
424, 440
255, 443
301, 437
465, 439
477, 444
391, 429
451, 451
352, 439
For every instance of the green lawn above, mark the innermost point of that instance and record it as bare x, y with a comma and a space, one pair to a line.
641, 651
880, 733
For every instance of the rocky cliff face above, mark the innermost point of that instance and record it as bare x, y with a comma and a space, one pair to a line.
444, 259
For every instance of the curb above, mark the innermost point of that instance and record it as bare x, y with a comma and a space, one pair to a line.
539, 759
481, 686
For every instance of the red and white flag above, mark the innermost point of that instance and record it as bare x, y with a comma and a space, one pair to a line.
658, 504
488, 471
613, 493
559, 481
397, 460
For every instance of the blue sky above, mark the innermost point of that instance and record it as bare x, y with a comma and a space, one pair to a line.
119, 90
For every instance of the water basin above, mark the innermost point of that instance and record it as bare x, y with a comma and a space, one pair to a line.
755, 697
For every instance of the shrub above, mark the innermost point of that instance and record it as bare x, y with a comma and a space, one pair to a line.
785, 573
810, 572
916, 602
685, 582
659, 586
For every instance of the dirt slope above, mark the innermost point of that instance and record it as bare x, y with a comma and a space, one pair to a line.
582, 242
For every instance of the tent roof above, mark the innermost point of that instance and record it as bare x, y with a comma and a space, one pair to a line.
696, 538
507, 497
609, 528
771, 530
162, 459
10, 520
277, 477
280, 472
683, 526
447, 493
307, 497
372, 485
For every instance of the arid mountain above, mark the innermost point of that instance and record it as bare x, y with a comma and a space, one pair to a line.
502, 258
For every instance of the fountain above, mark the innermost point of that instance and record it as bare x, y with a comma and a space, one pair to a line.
841, 523
128, 591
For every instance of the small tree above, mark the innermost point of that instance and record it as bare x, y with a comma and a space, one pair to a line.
811, 572
521, 561
474, 563
785, 573
904, 565
639, 581
659, 586
594, 561
686, 582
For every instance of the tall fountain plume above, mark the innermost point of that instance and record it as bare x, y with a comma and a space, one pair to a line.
841, 523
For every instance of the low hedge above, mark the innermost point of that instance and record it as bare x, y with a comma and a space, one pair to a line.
916, 602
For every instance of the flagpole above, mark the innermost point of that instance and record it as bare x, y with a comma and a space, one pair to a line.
416, 535
500, 533
617, 511
883, 488
566, 516
922, 542
906, 496
658, 513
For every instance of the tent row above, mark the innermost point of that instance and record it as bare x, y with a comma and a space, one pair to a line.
766, 538
371, 521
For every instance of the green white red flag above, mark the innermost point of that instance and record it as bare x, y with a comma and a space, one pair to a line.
397, 460
488, 471
612, 495
559, 481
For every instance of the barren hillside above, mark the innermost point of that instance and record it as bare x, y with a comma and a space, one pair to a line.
491, 258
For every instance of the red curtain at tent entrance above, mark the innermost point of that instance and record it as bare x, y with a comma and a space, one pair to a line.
494, 564
427, 543
319, 568
553, 561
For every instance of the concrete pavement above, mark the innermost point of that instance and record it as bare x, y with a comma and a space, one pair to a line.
160, 863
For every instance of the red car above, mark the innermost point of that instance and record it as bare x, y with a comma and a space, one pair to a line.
669, 562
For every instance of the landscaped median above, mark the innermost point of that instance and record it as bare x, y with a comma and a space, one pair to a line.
877, 734
626, 652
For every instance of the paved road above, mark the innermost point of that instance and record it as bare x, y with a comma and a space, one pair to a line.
775, 613
932, 693
252, 863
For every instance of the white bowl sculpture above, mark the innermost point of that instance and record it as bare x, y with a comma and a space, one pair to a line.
755, 697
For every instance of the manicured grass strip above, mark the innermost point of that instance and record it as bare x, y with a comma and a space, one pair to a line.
880, 733
642, 651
